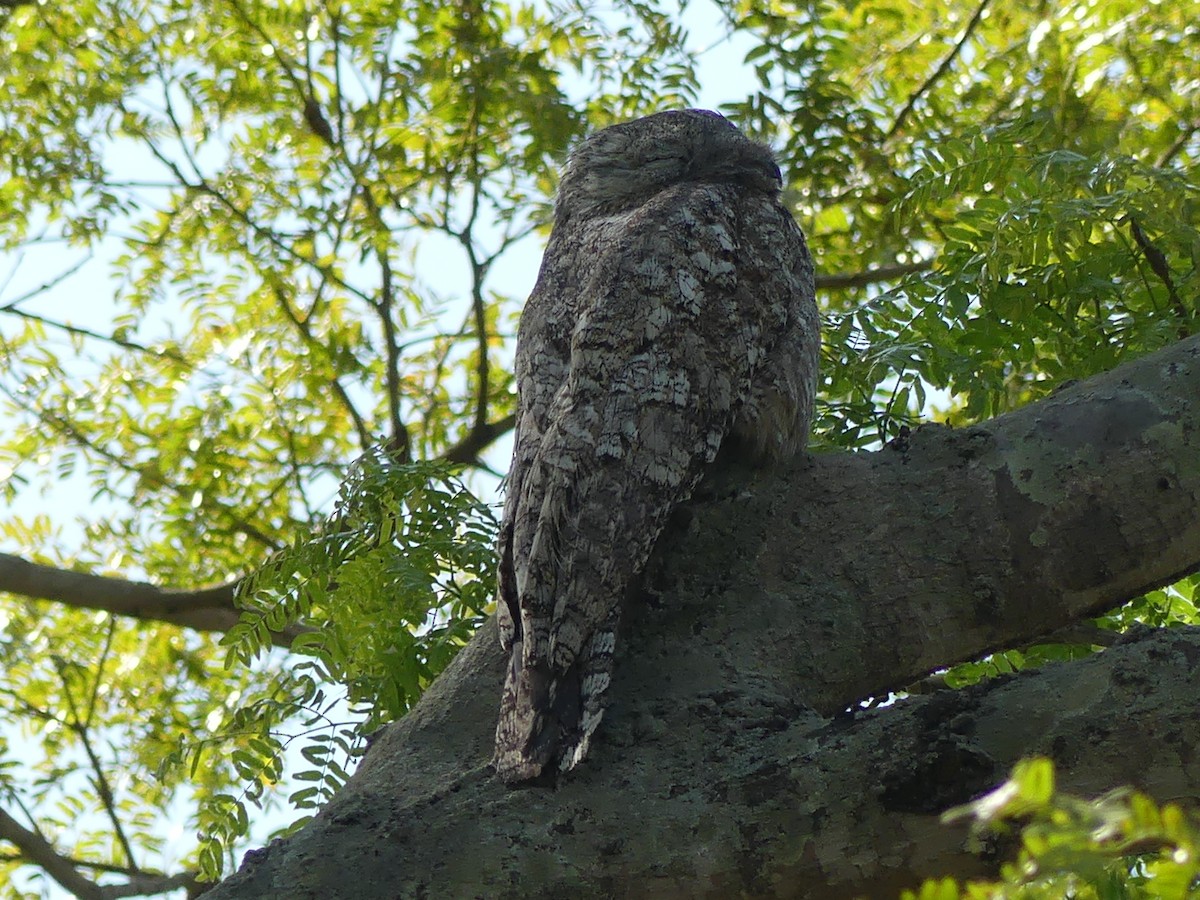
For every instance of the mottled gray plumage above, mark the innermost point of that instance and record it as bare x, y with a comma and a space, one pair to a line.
673, 314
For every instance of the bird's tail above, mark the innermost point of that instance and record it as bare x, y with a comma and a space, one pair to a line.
547, 719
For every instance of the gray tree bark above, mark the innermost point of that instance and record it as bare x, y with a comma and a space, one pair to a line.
729, 764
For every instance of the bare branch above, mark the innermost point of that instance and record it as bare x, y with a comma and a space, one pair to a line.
203, 609
98, 679
468, 449
202, 185
36, 849
872, 276
318, 123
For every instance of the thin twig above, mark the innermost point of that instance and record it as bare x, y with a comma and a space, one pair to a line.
1160, 267
872, 276
945, 64
1177, 146
202, 186
103, 788
98, 681
11, 305
310, 340
166, 353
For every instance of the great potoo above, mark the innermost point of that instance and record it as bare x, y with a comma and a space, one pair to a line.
673, 314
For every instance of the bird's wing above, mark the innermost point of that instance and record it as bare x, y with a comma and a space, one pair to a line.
665, 350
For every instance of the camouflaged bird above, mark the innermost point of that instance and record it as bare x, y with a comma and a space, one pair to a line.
673, 317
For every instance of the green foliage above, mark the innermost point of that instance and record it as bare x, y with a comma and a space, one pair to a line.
1042, 272
395, 583
1009, 661
392, 586
992, 154
1170, 606
387, 591
1121, 845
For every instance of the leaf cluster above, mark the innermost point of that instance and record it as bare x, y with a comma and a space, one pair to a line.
1121, 845
389, 589
394, 583
995, 164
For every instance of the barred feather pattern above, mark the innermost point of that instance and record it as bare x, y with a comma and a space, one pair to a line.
674, 311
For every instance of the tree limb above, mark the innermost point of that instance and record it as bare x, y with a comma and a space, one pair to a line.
736, 794
872, 276
468, 449
145, 884
36, 849
204, 609
777, 602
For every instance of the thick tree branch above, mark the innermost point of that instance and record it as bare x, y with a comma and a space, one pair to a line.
728, 731
736, 793
204, 609
145, 884
36, 849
